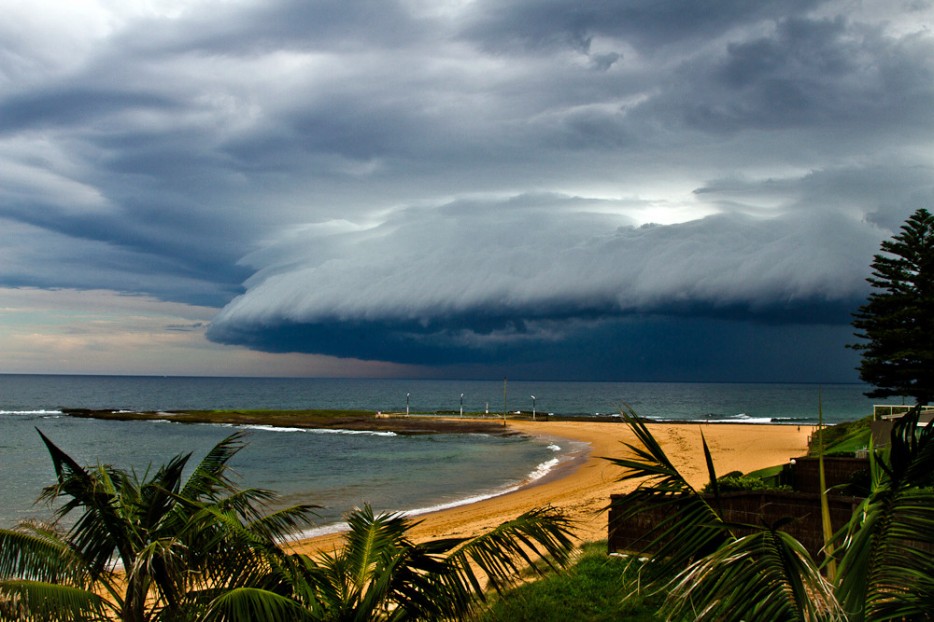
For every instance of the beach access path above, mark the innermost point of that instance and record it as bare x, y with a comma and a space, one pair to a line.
583, 490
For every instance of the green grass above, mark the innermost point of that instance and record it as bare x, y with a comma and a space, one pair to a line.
767, 472
843, 438
590, 591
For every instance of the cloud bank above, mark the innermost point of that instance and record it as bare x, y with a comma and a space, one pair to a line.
483, 275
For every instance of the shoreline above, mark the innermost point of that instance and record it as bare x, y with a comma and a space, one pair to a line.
566, 465
582, 489
313, 419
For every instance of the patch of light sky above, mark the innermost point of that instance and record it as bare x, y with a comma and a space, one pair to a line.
104, 332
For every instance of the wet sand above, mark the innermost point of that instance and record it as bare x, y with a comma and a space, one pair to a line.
583, 490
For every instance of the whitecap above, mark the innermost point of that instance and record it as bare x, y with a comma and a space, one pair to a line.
539, 472
543, 469
741, 418
323, 530
273, 428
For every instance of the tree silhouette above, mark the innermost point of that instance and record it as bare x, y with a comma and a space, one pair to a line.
897, 322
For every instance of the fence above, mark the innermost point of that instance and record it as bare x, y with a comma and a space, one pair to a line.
803, 476
754, 508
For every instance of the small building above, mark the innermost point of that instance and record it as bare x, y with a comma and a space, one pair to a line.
884, 417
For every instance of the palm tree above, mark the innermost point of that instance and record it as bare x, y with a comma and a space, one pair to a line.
380, 574
157, 548
142, 548
711, 570
886, 571
705, 569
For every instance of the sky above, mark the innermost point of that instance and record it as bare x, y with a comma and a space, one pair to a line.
541, 189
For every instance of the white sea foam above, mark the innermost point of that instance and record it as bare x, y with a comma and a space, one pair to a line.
460, 502
268, 428
342, 431
272, 428
721, 418
544, 469
538, 473
30, 412
740, 418
323, 530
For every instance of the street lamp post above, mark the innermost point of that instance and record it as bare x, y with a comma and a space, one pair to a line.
462, 404
504, 402
407, 404
533, 407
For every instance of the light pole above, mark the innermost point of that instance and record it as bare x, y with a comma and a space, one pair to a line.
504, 402
533, 407
462, 404
407, 404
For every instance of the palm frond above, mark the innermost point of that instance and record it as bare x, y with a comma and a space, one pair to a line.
687, 526
43, 601
711, 474
247, 604
886, 566
32, 552
372, 555
65, 466
887, 556
765, 576
537, 539
209, 476
227, 551
651, 463
221, 549
157, 496
278, 525
100, 530
249, 503
372, 537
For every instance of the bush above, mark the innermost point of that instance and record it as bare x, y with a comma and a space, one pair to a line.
737, 482
590, 591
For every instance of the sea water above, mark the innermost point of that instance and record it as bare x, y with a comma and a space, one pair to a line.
342, 470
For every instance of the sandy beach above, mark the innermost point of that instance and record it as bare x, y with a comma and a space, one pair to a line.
583, 490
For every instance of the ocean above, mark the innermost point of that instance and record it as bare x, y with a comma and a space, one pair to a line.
342, 470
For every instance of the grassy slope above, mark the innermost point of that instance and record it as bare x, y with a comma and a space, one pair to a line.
843, 438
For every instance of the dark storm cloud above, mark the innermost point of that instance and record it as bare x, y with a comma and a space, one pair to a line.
470, 183
471, 282
643, 348
814, 73
256, 29
38, 110
646, 24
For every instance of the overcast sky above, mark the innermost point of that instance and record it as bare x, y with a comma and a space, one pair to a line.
549, 189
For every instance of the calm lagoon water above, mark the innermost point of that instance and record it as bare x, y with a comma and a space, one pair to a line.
342, 470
